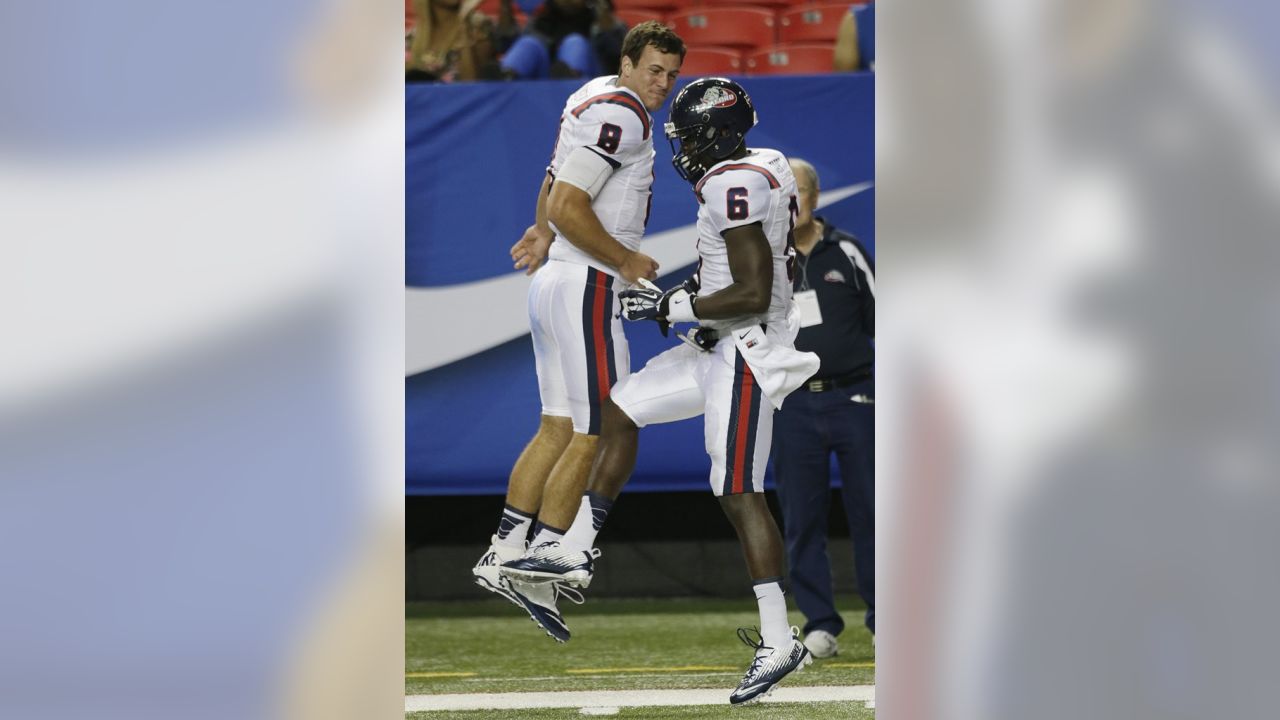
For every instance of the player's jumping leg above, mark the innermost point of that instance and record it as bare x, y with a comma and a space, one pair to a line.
524, 495
565, 486
567, 479
535, 464
616, 456
666, 390
571, 558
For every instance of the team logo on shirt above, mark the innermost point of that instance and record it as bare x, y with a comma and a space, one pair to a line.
715, 97
833, 276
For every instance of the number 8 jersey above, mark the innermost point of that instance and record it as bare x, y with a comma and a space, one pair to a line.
611, 122
756, 188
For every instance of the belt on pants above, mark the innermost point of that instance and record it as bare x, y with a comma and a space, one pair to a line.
826, 384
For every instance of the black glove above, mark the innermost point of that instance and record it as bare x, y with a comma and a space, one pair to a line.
693, 283
703, 338
649, 302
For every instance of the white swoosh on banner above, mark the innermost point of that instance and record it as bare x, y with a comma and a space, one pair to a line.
449, 323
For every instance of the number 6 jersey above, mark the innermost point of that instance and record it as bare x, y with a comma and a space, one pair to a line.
613, 123
756, 188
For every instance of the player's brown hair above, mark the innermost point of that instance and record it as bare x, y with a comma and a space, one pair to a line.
651, 32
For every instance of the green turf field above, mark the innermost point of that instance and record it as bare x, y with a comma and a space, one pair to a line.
763, 711
489, 646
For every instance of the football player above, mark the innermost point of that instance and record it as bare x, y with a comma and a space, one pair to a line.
591, 213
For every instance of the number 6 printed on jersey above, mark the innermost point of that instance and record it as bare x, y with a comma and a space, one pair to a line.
736, 204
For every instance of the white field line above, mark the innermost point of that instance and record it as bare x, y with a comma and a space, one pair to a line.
627, 698
613, 676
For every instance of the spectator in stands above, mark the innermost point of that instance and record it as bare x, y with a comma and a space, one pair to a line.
856, 39
449, 42
834, 412
565, 38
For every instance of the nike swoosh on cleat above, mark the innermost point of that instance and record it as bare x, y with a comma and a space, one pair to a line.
484, 584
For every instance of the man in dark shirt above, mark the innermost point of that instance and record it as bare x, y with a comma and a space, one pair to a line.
834, 412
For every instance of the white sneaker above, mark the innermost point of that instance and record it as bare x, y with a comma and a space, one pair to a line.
822, 644
487, 570
768, 667
552, 561
539, 600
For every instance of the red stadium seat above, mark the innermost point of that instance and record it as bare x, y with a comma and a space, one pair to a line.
800, 3
493, 8
767, 4
661, 6
802, 59
735, 27
703, 61
811, 23
634, 17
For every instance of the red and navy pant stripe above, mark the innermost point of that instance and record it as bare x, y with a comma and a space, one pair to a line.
744, 418
597, 329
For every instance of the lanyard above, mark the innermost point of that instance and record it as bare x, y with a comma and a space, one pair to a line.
803, 260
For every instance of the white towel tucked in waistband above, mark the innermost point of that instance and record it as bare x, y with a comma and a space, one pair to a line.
777, 366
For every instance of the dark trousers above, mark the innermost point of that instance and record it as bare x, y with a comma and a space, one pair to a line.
809, 428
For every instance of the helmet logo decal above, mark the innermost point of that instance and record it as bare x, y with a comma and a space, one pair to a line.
715, 97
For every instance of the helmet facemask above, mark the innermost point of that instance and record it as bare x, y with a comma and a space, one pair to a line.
690, 156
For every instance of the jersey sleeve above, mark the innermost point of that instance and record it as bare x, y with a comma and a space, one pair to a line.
736, 198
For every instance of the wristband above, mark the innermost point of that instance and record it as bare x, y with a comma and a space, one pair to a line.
680, 307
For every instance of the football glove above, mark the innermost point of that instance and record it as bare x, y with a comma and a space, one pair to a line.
649, 302
704, 339
693, 283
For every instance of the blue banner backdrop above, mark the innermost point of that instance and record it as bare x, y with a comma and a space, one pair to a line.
474, 158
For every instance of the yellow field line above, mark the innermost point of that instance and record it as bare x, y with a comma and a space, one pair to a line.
599, 671
685, 668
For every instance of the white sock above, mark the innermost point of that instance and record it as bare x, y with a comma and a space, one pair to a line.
582, 533
513, 528
544, 534
773, 613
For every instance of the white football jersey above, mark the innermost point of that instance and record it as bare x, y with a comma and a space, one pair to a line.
613, 122
756, 188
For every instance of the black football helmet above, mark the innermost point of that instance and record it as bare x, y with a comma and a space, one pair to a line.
710, 117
